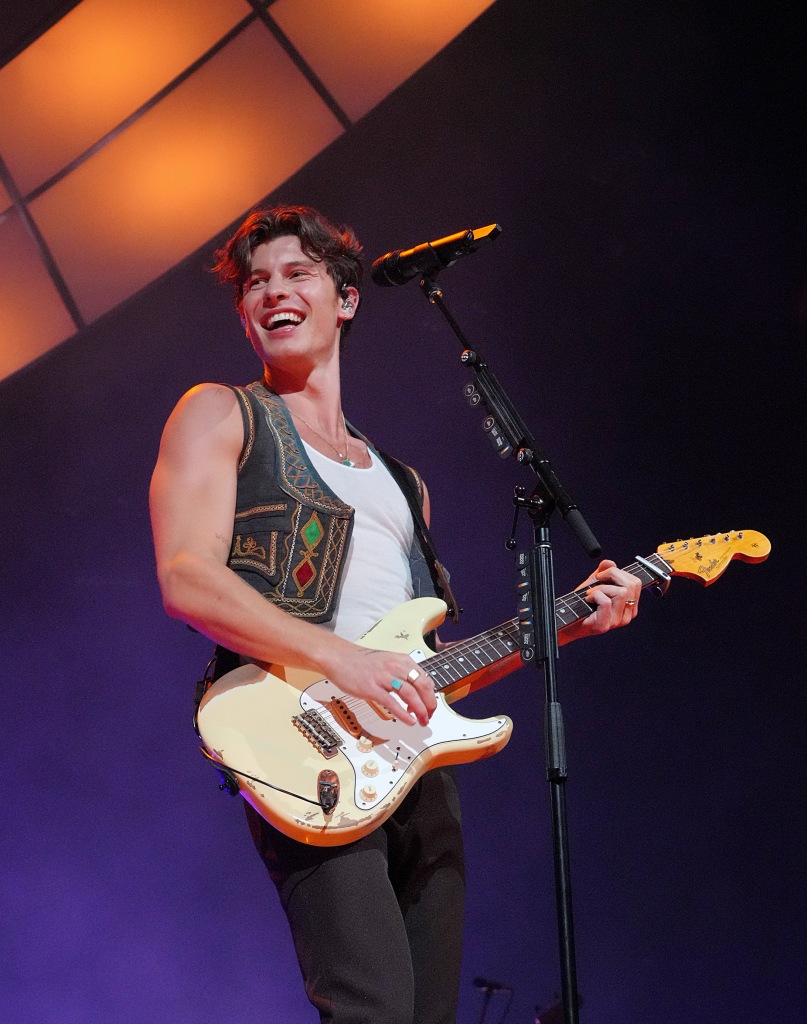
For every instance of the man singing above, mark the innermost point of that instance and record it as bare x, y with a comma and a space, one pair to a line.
376, 923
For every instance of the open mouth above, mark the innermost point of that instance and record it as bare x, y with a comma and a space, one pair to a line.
284, 319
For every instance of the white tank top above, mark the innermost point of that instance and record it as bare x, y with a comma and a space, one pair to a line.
376, 576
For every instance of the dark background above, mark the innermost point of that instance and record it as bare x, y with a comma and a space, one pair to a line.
645, 308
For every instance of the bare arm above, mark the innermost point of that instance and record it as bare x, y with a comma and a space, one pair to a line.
192, 501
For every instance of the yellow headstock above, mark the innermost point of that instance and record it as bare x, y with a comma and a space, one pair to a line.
706, 558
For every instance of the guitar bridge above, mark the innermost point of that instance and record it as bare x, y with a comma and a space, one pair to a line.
317, 731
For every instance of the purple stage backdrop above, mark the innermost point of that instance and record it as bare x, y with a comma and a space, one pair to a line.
644, 307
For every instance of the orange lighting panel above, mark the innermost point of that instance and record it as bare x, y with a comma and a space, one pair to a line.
33, 318
93, 69
364, 49
238, 128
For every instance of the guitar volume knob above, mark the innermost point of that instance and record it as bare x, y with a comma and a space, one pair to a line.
370, 769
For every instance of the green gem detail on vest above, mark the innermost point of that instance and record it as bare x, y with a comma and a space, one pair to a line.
312, 532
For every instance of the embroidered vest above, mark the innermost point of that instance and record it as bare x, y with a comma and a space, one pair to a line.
291, 531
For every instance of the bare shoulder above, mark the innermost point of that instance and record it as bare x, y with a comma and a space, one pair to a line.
206, 417
207, 401
193, 488
197, 466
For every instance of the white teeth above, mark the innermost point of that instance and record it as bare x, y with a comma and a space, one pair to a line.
294, 318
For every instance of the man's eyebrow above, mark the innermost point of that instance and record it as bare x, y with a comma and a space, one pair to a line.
303, 261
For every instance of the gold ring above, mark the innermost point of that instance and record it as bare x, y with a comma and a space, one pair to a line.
630, 602
396, 684
413, 675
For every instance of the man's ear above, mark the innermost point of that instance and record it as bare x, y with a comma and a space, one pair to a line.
349, 303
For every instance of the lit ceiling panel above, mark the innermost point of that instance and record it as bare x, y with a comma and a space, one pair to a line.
34, 318
92, 70
364, 49
133, 133
190, 165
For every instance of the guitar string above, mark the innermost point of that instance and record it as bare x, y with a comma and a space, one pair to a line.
474, 642
464, 649
467, 648
472, 646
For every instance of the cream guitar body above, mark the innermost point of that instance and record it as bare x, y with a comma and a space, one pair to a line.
327, 768
288, 726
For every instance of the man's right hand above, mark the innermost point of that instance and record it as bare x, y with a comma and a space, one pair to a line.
369, 675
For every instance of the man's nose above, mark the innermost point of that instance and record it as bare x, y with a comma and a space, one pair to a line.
275, 291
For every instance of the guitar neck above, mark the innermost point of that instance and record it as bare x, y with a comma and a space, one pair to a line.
465, 658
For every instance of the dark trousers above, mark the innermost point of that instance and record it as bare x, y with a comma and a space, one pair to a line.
377, 924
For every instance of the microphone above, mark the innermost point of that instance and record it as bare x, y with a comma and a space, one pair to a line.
490, 986
427, 258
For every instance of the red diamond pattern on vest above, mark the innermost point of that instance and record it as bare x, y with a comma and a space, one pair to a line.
305, 573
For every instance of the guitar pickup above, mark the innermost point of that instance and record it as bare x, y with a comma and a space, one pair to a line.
346, 717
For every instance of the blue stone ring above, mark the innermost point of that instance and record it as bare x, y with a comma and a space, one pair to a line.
396, 684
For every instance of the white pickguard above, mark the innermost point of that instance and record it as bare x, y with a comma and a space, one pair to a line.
395, 746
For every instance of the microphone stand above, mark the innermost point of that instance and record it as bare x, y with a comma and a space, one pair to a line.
487, 992
487, 988
509, 435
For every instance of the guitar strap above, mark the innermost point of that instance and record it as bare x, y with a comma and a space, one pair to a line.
409, 483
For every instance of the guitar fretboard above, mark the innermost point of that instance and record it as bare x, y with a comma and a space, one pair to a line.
469, 656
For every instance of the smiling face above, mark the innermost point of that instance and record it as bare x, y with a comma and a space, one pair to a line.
292, 311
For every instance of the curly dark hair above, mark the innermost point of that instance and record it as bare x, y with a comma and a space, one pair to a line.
320, 240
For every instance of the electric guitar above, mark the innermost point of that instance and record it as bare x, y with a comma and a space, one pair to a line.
327, 768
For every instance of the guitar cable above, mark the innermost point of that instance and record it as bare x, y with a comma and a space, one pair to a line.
229, 782
227, 774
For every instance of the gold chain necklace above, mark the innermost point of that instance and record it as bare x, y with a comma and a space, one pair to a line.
342, 457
